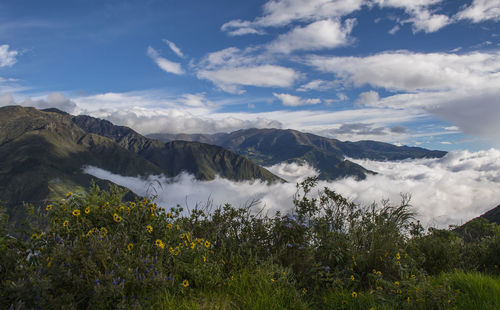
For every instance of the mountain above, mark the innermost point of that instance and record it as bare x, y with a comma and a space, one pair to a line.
42, 154
272, 146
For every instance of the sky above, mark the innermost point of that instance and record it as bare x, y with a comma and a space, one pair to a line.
414, 72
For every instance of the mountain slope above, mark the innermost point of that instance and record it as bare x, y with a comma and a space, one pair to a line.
42, 153
272, 146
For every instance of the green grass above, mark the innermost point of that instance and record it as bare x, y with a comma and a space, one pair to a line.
475, 290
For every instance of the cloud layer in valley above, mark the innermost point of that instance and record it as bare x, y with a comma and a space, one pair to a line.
445, 191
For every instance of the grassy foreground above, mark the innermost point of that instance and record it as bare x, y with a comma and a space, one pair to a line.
96, 251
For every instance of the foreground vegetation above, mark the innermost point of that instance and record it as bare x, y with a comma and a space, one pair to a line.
94, 250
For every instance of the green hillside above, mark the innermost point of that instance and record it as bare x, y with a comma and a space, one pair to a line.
42, 154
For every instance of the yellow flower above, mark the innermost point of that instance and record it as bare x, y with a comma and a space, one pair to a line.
354, 294
192, 245
117, 218
159, 243
149, 228
104, 231
398, 257
177, 227
183, 236
204, 259
408, 299
177, 251
169, 215
304, 291
65, 223
272, 280
48, 208
89, 233
379, 273
169, 226
69, 194
207, 244
171, 250
185, 283
396, 283
130, 246
49, 261
34, 236
352, 278
87, 210
76, 212
413, 277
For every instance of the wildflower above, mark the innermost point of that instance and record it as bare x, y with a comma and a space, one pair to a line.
177, 227
354, 294
398, 262
104, 231
272, 280
69, 194
121, 208
130, 246
76, 213
117, 218
398, 257
149, 228
169, 226
34, 236
379, 273
183, 236
65, 223
169, 215
171, 250
204, 259
159, 243
304, 291
352, 278
48, 208
87, 210
192, 245
177, 251
413, 277
185, 283
396, 283
49, 261
207, 244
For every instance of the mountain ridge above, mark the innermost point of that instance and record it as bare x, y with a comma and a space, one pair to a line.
272, 146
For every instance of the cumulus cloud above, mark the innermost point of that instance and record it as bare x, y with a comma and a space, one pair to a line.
174, 48
421, 16
320, 85
409, 71
293, 101
481, 10
164, 64
230, 79
279, 13
7, 57
315, 36
52, 100
445, 191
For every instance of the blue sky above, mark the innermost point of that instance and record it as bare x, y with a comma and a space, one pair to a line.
416, 72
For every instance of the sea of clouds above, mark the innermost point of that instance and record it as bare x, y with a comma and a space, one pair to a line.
445, 191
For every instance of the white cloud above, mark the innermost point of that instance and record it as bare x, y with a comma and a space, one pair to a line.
195, 100
450, 190
7, 57
409, 71
319, 85
164, 64
52, 100
421, 16
293, 101
368, 98
174, 48
481, 10
230, 79
315, 36
283, 12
